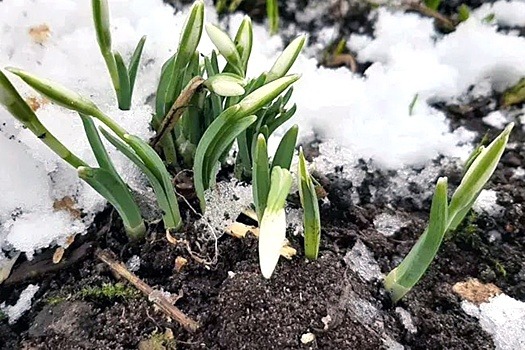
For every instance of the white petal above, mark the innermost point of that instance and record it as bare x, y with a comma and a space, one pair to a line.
271, 239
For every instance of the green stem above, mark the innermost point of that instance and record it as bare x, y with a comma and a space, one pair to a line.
110, 123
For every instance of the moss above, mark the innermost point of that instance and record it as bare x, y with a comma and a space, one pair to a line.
55, 300
159, 341
109, 292
3, 316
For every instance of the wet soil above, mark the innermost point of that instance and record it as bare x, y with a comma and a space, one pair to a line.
238, 309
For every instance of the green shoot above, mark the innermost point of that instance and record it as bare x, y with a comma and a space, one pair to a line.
284, 153
446, 218
122, 77
272, 11
463, 13
260, 176
272, 232
432, 4
311, 216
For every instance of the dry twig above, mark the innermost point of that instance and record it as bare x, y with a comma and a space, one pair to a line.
153, 295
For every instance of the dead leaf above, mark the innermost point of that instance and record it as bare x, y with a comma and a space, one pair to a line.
36, 102
345, 59
180, 262
59, 253
67, 204
170, 238
40, 34
7, 266
475, 291
288, 251
239, 230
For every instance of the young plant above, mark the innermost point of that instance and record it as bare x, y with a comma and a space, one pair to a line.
217, 139
311, 216
135, 148
104, 180
445, 217
122, 77
272, 228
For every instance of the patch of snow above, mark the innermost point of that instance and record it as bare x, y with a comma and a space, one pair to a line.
503, 318
133, 264
388, 224
496, 119
507, 13
486, 203
406, 320
14, 312
361, 260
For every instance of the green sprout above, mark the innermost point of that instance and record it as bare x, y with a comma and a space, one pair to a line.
463, 13
311, 216
106, 180
272, 227
446, 217
272, 12
122, 77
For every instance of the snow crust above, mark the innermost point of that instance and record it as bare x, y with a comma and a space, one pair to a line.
14, 312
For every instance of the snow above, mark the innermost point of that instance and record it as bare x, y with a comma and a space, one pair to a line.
507, 13
503, 318
14, 312
496, 119
388, 224
486, 203
361, 260
365, 117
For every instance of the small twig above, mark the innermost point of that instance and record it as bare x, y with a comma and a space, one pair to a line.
424, 10
177, 109
154, 296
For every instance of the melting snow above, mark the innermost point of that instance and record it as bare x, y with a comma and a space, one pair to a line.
23, 304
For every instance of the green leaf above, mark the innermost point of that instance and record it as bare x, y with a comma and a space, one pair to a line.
283, 118
432, 4
260, 176
515, 94
101, 155
476, 177
56, 92
400, 280
214, 142
284, 153
272, 11
134, 64
162, 89
287, 58
170, 217
311, 216
100, 11
124, 95
119, 196
463, 13
152, 161
190, 35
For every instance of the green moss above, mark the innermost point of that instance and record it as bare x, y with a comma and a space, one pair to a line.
56, 300
3, 316
158, 341
109, 291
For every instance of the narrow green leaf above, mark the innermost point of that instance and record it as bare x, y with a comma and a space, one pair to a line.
477, 176
400, 280
154, 163
214, 142
124, 96
284, 153
100, 152
190, 35
119, 196
162, 88
311, 216
272, 11
100, 11
260, 176
134, 64
170, 220
283, 118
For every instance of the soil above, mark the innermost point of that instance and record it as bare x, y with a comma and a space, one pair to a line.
238, 309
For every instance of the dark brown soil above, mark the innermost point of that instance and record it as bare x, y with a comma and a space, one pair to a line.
238, 309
